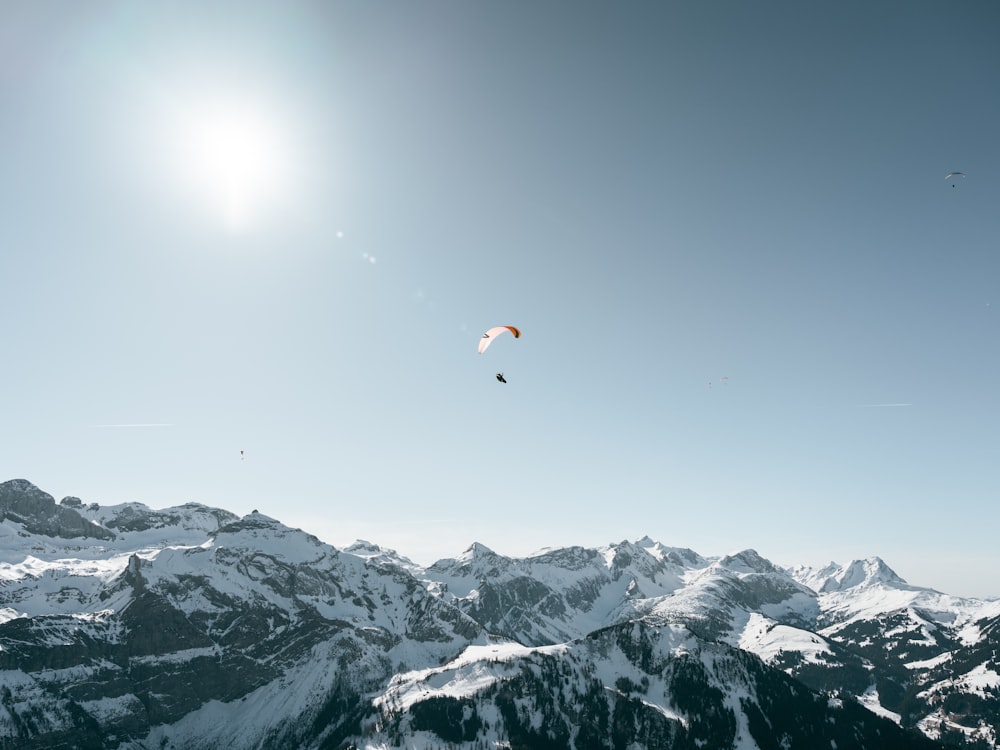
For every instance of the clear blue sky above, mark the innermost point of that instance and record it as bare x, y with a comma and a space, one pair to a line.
282, 228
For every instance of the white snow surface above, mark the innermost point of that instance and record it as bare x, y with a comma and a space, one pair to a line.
870, 700
768, 639
474, 669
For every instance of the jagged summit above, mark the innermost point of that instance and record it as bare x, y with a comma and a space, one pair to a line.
256, 518
364, 547
25, 504
378, 555
476, 551
746, 561
476, 560
23, 487
857, 574
631, 559
868, 572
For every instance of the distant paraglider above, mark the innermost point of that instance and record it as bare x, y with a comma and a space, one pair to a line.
952, 175
492, 333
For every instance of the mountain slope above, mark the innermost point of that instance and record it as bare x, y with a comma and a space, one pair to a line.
190, 627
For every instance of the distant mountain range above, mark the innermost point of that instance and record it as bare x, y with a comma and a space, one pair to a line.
190, 627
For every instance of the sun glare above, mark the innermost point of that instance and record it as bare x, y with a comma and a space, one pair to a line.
233, 161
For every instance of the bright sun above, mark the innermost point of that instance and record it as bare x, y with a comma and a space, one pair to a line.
232, 160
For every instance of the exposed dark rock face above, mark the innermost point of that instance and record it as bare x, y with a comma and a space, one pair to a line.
22, 502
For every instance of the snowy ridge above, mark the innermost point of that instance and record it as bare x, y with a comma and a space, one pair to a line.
299, 644
858, 573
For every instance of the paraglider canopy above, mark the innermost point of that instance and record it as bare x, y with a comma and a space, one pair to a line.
492, 333
954, 174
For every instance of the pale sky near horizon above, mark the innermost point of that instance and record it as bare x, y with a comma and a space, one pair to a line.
755, 314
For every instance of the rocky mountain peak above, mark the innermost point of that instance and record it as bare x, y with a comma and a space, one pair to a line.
364, 548
867, 572
477, 551
856, 574
627, 557
675, 555
22, 502
747, 561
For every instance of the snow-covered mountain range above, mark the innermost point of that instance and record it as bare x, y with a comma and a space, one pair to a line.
189, 627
